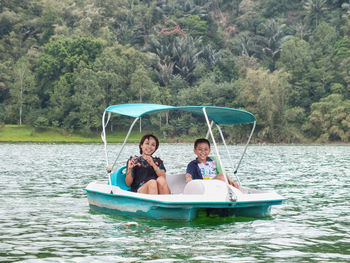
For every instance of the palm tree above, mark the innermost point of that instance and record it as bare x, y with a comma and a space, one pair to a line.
164, 71
247, 44
211, 55
274, 37
186, 51
175, 54
301, 31
315, 8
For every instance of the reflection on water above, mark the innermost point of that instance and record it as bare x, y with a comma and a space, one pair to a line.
44, 214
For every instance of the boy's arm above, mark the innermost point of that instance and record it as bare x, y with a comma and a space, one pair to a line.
188, 177
189, 172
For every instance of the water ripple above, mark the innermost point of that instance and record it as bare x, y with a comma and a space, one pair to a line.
44, 214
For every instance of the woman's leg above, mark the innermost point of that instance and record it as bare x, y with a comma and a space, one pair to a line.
163, 185
150, 187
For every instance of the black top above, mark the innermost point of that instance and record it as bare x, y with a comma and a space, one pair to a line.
143, 172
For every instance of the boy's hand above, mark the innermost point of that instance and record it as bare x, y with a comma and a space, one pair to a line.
188, 178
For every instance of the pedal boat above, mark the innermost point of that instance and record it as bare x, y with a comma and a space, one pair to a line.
215, 197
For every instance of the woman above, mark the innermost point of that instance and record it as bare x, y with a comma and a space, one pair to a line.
146, 174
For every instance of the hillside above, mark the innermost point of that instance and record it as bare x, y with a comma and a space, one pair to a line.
287, 62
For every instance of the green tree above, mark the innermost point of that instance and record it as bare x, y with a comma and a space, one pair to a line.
194, 26
119, 75
61, 99
8, 20
22, 88
5, 80
161, 95
245, 44
142, 84
274, 37
179, 55
322, 74
266, 95
330, 119
274, 8
62, 56
315, 10
248, 16
345, 27
186, 53
88, 98
297, 60
341, 58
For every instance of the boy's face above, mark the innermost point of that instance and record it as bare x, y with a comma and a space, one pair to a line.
202, 151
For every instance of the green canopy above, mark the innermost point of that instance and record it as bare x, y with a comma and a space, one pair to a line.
220, 115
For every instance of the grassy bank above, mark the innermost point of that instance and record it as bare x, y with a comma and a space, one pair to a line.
25, 133
29, 134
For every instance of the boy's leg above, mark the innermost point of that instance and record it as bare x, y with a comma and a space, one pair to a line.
230, 181
234, 184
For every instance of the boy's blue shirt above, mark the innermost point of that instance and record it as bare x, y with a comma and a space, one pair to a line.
193, 169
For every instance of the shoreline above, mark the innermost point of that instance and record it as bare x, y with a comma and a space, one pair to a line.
15, 134
166, 142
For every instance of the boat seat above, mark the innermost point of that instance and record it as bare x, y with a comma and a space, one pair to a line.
176, 183
118, 179
218, 166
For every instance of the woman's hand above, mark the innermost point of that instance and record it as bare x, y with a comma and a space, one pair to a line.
149, 159
157, 170
131, 163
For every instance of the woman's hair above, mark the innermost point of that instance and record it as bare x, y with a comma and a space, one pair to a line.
147, 136
201, 140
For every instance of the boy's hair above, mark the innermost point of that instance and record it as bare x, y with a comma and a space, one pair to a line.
201, 140
147, 136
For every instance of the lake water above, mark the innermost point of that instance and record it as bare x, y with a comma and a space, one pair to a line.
45, 217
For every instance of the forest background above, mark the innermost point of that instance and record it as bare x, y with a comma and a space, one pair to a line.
288, 62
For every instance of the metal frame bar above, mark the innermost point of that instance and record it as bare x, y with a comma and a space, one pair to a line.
216, 147
104, 139
228, 153
125, 140
109, 170
103, 135
245, 148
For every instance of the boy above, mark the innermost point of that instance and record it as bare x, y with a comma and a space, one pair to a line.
203, 167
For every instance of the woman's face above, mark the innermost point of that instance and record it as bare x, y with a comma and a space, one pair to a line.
149, 146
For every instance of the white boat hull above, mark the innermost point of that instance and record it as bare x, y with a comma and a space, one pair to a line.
212, 196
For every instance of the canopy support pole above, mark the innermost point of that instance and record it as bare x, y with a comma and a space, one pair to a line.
218, 155
211, 125
104, 139
228, 152
125, 140
245, 148
103, 136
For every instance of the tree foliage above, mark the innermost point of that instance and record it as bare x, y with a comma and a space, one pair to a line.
267, 96
63, 62
330, 119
